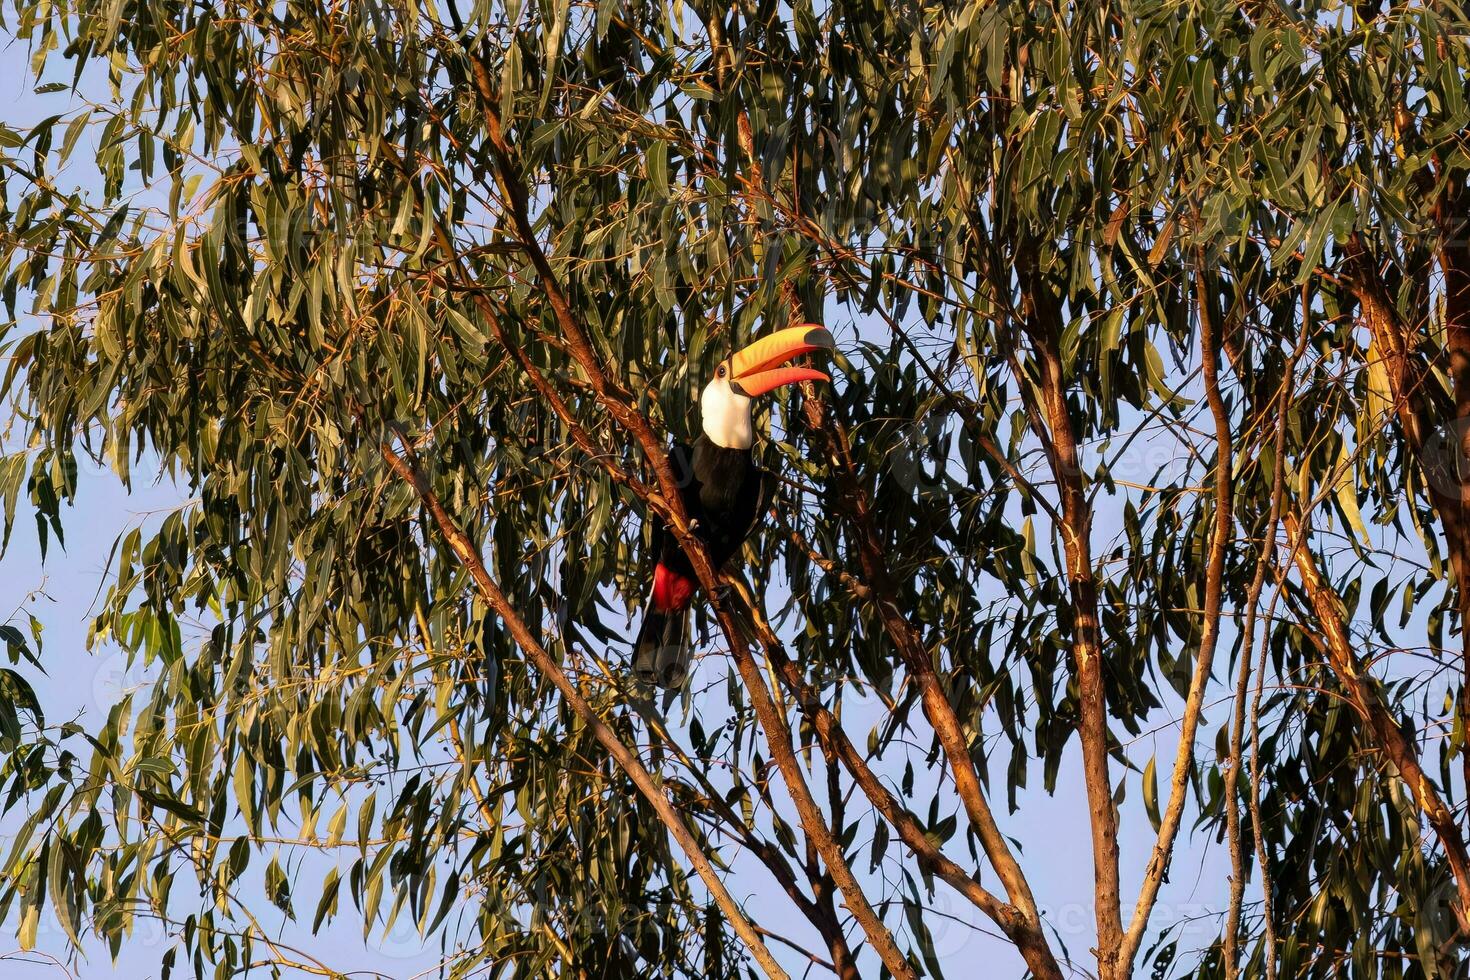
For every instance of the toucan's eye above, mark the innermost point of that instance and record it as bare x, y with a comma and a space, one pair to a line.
721, 372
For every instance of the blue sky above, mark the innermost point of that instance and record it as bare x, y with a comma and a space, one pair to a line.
81, 683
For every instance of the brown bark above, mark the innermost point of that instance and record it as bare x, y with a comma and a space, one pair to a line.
817, 907
1396, 744
814, 823
881, 589
617, 402
1023, 930
878, 585
469, 557
1158, 863
1454, 254
821, 914
1041, 324
1409, 387
1041, 318
1265, 562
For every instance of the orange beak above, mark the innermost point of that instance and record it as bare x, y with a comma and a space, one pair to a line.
757, 369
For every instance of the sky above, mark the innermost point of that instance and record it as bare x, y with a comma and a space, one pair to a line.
81, 683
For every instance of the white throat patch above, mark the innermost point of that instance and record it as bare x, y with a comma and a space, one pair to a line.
725, 415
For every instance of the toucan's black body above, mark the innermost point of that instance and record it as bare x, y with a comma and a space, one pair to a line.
725, 494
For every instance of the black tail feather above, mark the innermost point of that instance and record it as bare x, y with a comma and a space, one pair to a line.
661, 654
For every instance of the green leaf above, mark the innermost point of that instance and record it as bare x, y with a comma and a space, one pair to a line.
1151, 793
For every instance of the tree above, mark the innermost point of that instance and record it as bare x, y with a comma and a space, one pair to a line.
413, 297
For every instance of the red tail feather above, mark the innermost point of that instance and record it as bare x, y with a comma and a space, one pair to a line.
670, 589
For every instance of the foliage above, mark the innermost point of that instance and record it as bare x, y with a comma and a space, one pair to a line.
301, 246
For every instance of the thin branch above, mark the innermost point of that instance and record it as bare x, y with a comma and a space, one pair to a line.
469, 556
1410, 389
1027, 935
1041, 317
611, 395
878, 582
1362, 691
1158, 863
1264, 563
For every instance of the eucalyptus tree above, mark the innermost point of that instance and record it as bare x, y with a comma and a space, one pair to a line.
413, 297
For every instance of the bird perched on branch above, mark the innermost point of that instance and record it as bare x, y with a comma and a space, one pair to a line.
724, 491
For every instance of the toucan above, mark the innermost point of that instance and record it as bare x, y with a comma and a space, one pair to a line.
724, 491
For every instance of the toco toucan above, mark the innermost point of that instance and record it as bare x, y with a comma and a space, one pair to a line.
724, 492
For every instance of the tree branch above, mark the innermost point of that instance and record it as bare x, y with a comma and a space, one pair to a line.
469, 557
1025, 932
1385, 729
878, 582
1265, 562
617, 402
1409, 387
1041, 316
1158, 863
